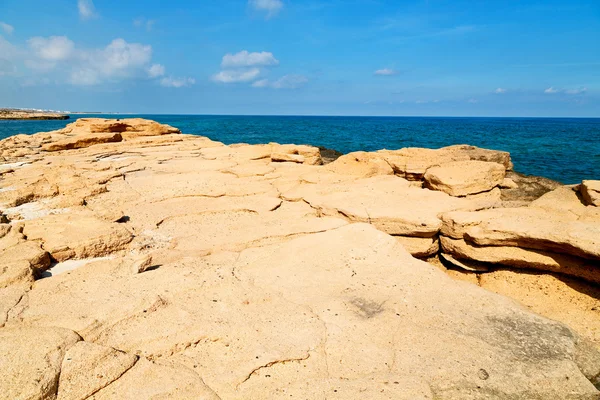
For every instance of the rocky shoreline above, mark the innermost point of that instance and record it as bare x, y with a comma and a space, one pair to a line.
140, 262
14, 114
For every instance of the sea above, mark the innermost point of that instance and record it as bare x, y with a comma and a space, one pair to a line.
563, 149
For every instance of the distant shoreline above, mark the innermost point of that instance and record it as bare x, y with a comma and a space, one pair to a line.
34, 115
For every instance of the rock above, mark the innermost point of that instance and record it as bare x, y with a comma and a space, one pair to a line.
21, 262
129, 128
462, 178
361, 164
528, 227
141, 264
412, 163
67, 236
590, 191
358, 277
282, 157
420, 247
82, 141
529, 188
466, 265
296, 153
548, 295
387, 202
30, 361
524, 258
87, 368
152, 380
508, 183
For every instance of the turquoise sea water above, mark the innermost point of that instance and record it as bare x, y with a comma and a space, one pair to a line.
564, 149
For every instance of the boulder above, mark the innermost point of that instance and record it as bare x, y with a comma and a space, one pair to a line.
590, 191
462, 178
30, 361
88, 367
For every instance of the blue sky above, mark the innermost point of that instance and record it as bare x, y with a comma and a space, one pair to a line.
331, 57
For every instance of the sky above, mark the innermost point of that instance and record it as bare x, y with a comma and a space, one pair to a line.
303, 57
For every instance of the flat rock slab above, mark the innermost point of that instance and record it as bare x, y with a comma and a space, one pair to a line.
82, 141
88, 367
30, 361
462, 178
67, 236
530, 228
389, 203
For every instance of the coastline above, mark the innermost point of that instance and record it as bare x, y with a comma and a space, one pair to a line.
262, 266
19, 114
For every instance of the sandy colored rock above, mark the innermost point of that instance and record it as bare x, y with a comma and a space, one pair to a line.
419, 247
508, 183
524, 258
67, 236
388, 202
527, 227
590, 191
87, 368
296, 153
141, 264
361, 164
547, 295
463, 264
148, 380
82, 141
412, 163
30, 361
462, 178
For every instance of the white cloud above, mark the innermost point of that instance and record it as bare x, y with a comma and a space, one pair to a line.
54, 48
290, 82
143, 22
581, 90
177, 82
86, 9
246, 59
261, 83
85, 77
576, 91
500, 91
285, 82
386, 72
6, 28
233, 76
156, 70
272, 7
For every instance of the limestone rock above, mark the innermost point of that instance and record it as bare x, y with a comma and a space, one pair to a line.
420, 247
412, 163
82, 141
462, 178
87, 368
296, 153
356, 279
387, 202
30, 361
361, 164
67, 236
590, 190
508, 183
524, 258
152, 380
528, 227
141, 264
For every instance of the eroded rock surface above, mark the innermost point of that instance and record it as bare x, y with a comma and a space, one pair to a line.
191, 269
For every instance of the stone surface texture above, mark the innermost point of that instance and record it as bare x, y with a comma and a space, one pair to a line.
171, 266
